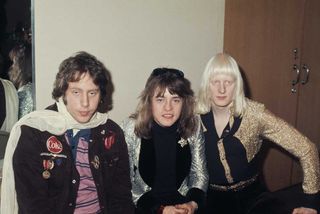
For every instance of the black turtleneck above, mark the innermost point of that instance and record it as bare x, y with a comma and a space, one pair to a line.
165, 141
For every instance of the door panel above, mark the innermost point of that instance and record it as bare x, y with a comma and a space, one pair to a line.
261, 36
308, 117
308, 113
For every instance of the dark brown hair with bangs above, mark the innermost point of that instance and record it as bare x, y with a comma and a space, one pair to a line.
160, 80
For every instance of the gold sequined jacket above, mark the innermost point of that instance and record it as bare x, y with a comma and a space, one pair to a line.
258, 123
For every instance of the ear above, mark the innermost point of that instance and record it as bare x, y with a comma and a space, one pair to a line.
64, 99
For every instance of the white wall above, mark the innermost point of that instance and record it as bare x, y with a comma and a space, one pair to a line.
130, 37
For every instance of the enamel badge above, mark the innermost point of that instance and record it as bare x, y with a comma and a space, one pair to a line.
54, 145
46, 174
48, 164
96, 162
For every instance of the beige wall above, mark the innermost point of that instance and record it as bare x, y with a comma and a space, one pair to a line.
130, 37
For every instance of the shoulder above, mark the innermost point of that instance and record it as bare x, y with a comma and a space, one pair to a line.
7, 84
29, 131
127, 125
29, 138
197, 135
254, 106
25, 90
110, 126
110, 123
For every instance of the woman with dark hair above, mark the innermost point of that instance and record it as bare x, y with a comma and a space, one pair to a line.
165, 144
20, 74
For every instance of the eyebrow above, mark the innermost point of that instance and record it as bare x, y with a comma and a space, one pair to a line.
174, 96
77, 88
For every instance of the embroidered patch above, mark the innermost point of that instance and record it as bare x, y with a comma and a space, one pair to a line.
109, 141
54, 145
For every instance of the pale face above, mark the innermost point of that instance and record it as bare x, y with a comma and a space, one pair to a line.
82, 98
166, 109
222, 89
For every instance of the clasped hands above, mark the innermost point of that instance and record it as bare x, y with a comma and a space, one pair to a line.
304, 210
186, 208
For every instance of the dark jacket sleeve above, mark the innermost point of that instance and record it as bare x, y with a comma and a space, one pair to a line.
311, 201
120, 197
198, 196
31, 187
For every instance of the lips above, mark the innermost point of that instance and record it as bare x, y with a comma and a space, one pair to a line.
221, 97
168, 116
84, 113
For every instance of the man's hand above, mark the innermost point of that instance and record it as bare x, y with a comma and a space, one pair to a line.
174, 210
191, 207
304, 210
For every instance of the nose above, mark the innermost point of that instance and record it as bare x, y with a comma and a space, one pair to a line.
85, 100
222, 88
167, 105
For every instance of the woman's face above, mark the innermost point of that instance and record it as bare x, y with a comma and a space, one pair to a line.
222, 87
166, 108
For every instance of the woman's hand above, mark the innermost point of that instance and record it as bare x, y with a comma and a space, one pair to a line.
304, 210
191, 207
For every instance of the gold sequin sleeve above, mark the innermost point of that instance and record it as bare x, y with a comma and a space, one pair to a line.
286, 136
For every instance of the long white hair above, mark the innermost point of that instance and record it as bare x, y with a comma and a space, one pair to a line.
221, 63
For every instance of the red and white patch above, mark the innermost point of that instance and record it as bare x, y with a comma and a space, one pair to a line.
54, 145
109, 141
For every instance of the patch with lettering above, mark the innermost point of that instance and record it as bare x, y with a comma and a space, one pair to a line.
54, 145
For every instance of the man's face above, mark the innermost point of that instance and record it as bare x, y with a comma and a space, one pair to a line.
166, 109
222, 89
82, 98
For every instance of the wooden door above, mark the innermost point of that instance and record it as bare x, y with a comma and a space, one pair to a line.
308, 112
262, 35
308, 117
